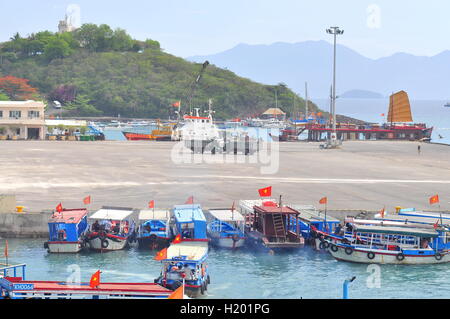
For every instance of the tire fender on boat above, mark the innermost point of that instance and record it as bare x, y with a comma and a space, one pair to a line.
349, 250
400, 256
104, 243
326, 244
334, 248
370, 255
438, 256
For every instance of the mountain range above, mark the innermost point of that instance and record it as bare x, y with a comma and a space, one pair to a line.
311, 61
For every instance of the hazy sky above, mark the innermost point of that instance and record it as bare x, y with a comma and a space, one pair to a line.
198, 27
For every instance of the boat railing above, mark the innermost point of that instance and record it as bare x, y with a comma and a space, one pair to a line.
5, 270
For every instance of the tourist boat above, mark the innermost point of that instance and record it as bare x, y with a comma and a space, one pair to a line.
413, 213
154, 231
18, 287
161, 133
226, 230
112, 229
189, 222
270, 228
66, 231
185, 262
393, 245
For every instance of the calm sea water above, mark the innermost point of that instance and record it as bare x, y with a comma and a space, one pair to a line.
243, 274
432, 112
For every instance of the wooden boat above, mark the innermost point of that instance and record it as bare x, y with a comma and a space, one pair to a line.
226, 230
66, 231
112, 229
270, 228
19, 288
185, 262
393, 245
154, 231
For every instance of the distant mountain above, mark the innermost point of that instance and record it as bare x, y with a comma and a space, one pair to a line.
361, 94
311, 61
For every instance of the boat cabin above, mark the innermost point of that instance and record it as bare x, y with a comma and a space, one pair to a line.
113, 220
68, 225
273, 225
189, 221
227, 228
154, 230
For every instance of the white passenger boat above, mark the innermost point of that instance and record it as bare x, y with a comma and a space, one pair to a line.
112, 228
226, 230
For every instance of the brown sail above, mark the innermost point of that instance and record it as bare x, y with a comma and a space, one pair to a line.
399, 108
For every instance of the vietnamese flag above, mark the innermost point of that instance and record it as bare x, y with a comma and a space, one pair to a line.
436, 224
323, 200
434, 199
176, 104
59, 208
265, 192
382, 212
161, 255
87, 200
177, 239
6, 249
178, 293
95, 280
151, 204
190, 200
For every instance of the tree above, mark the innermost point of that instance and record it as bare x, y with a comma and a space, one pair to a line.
57, 49
3, 97
17, 88
63, 93
81, 106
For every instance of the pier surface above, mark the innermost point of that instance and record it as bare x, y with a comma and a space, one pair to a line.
366, 175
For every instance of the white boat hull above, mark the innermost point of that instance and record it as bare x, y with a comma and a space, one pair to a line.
117, 244
72, 247
227, 242
385, 257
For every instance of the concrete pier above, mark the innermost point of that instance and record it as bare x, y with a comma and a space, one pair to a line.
362, 175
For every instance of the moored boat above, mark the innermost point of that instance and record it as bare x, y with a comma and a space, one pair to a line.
185, 263
226, 230
189, 222
112, 229
154, 231
66, 231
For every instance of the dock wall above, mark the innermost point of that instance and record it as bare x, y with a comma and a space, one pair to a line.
24, 225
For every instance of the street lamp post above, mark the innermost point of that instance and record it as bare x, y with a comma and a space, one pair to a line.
334, 31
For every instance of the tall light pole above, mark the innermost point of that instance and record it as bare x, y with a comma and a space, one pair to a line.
334, 31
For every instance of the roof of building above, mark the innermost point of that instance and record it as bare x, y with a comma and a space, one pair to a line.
274, 111
69, 216
29, 103
157, 214
113, 213
65, 122
226, 215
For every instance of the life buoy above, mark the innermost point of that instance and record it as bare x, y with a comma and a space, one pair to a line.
438, 256
334, 248
370, 255
104, 243
400, 256
349, 251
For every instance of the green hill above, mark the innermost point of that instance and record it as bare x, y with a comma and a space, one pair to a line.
99, 71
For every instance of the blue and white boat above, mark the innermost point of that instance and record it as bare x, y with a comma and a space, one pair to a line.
185, 263
393, 245
226, 230
154, 230
67, 230
189, 222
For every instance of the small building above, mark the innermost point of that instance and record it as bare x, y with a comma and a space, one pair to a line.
22, 120
274, 112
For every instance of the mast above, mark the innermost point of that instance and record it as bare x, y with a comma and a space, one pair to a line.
306, 100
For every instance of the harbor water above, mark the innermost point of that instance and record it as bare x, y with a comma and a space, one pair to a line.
243, 274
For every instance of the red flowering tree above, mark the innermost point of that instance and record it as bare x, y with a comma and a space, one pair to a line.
17, 88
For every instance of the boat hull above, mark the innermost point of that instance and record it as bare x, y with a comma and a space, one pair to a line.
227, 242
64, 247
108, 243
153, 243
385, 257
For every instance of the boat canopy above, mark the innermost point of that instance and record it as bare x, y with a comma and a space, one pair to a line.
69, 216
227, 215
418, 232
148, 214
113, 213
389, 222
246, 205
285, 210
188, 213
405, 219
311, 215
188, 250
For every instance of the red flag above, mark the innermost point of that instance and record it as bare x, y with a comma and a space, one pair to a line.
6, 249
190, 200
434, 199
176, 104
382, 212
95, 280
177, 239
59, 208
265, 192
323, 200
232, 207
436, 224
382, 114
87, 200
161, 255
151, 204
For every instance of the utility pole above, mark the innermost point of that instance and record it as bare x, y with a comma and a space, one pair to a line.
306, 100
334, 31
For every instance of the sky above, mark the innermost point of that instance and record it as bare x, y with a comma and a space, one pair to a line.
201, 27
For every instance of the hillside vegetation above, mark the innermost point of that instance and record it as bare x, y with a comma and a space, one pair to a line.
99, 71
